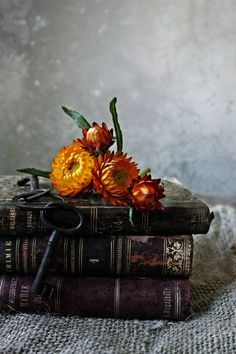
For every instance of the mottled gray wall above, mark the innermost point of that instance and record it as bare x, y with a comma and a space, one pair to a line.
172, 65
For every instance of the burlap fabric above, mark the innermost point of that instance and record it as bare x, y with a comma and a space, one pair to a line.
210, 329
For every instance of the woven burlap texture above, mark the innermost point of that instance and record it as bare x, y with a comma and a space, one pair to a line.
210, 329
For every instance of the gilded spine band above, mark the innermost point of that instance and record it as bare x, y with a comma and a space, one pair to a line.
112, 246
66, 241
81, 241
58, 296
72, 256
119, 253
117, 298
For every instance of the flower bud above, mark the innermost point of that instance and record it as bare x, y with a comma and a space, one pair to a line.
98, 137
146, 193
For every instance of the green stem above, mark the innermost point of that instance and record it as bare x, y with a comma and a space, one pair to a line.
131, 213
144, 172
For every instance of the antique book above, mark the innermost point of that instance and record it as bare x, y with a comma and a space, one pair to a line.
184, 213
105, 256
143, 298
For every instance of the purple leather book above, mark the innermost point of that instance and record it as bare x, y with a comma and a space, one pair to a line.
141, 298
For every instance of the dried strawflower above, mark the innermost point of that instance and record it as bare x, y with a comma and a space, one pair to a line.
146, 193
113, 174
71, 170
97, 138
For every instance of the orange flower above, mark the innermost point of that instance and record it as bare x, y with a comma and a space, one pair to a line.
72, 170
97, 138
113, 175
146, 193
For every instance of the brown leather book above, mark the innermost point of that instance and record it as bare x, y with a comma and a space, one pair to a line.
143, 298
184, 213
106, 256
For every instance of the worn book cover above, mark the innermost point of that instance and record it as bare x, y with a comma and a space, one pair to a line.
104, 256
184, 213
143, 298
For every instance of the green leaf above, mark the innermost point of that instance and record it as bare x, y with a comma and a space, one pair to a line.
77, 117
34, 172
119, 137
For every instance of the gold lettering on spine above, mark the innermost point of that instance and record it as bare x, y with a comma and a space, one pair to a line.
167, 302
119, 255
8, 258
112, 256
17, 255
25, 255
187, 256
66, 254
72, 256
2, 281
81, 248
177, 301
37, 299
29, 219
33, 254
117, 298
93, 260
12, 291
24, 296
12, 219
58, 296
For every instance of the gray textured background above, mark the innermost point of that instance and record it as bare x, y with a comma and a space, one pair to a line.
172, 65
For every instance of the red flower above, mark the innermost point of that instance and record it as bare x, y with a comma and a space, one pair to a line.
113, 174
97, 138
146, 193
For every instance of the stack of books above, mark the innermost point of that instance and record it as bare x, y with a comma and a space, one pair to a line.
110, 268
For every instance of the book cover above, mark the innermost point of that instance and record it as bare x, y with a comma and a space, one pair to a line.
142, 298
105, 256
184, 214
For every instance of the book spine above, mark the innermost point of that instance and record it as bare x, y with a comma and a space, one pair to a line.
142, 298
110, 220
111, 255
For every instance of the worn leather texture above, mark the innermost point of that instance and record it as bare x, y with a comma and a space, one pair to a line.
211, 328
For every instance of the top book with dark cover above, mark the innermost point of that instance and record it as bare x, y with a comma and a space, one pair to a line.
184, 213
